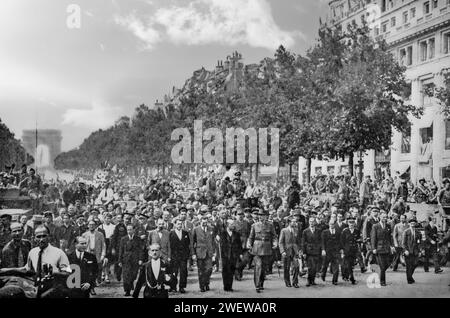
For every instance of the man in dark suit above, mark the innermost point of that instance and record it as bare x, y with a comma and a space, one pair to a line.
88, 268
15, 252
311, 246
161, 236
289, 243
120, 231
180, 252
431, 246
130, 258
231, 251
350, 238
203, 247
331, 247
381, 242
411, 243
154, 274
242, 226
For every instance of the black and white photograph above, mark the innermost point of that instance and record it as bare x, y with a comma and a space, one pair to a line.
243, 151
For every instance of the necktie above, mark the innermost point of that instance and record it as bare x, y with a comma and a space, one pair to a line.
81, 257
39, 265
20, 261
413, 235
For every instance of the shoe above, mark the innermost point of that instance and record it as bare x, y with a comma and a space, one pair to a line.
296, 286
308, 284
303, 273
202, 289
437, 271
172, 290
127, 294
258, 290
383, 284
313, 283
93, 293
323, 278
394, 269
410, 282
288, 285
426, 270
207, 287
363, 270
107, 281
353, 282
182, 291
335, 283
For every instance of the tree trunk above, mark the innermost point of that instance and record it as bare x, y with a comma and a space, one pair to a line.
251, 172
308, 170
350, 165
257, 172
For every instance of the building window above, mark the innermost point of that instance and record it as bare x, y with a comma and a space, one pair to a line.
377, 31
426, 7
393, 22
405, 17
318, 171
435, 4
384, 27
431, 44
391, 4
406, 56
427, 89
383, 5
423, 50
413, 13
426, 142
406, 141
447, 135
446, 42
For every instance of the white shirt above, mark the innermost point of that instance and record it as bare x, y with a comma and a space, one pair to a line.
91, 240
109, 230
156, 266
52, 256
179, 233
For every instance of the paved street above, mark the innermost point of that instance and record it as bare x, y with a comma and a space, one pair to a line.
427, 285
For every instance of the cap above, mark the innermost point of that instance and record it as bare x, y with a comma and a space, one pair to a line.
351, 220
183, 208
48, 213
411, 220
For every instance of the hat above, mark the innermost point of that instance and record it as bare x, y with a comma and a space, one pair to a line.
247, 210
80, 216
263, 212
48, 213
413, 220
238, 174
128, 213
183, 208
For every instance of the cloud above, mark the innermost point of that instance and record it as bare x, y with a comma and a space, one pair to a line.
100, 115
231, 22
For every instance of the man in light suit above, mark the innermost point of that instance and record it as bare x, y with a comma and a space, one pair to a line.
96, 245
161, 237
381, 242
203, 246
289, 243
411, 242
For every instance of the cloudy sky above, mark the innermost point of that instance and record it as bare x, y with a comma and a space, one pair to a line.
128, 52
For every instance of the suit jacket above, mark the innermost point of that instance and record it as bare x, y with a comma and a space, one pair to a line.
88, 267
100, 245
431, 234
68, 234
243, 228
289, 243
331, 243
180, 249
154, 282
262, 238
410, 244
381, 239
119, 232
397, 235
349, 241
311, 242
203, 243
130, 251
230, 247
153, 237
341, 227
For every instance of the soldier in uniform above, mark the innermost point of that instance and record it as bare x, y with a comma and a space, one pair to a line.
350, 238
242, 226
381, 242
311, 245
261, 241
431, 247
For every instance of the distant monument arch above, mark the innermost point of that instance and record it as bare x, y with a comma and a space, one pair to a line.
47, 149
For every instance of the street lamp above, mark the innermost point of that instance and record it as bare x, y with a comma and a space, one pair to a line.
361, 164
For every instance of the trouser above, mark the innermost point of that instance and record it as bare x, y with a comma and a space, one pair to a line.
228, 268
397, 257
312, 262
411, 264
78, 293
241, 263
204, 271
332, 260
383, 262
431, 253
369, 254
180, 266
261, 263
289, 261
347, 268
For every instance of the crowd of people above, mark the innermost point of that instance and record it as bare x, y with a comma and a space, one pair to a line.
151, 233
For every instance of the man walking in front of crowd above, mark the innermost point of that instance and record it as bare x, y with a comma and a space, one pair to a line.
397, 236
431, 246
331, 247
161, 236
311, 245
231, 251
130, 258
203, 247
96, 245
289, 244
350, 245
108, 228
411, 243
242, 226
381, 242
262, 240
180, 252
120, 231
